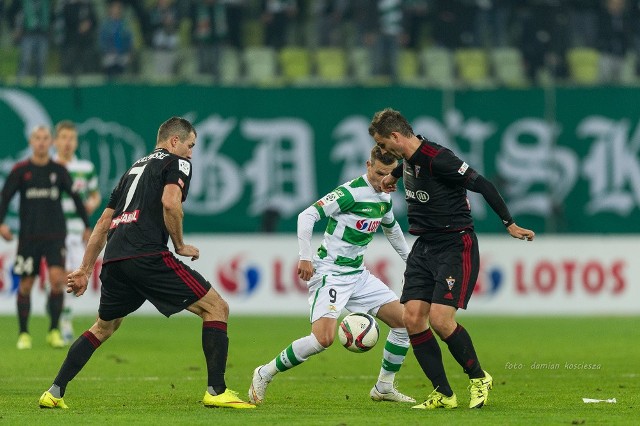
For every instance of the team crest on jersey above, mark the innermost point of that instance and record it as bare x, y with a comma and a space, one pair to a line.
53, 177
451, 282
417, 168
184, 166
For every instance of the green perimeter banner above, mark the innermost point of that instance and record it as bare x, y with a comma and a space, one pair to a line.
565, 161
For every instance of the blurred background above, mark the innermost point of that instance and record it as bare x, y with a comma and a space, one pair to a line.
540, 96
441, 43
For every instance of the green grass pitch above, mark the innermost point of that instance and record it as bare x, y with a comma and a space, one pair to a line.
152, 372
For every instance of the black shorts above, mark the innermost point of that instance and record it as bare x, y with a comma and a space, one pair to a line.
30, 254
162, 279
442, 269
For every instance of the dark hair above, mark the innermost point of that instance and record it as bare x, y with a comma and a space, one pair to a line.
389, 120
65, 124
175, 126
385, 158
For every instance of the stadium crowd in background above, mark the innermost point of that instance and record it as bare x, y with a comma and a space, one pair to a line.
542, 31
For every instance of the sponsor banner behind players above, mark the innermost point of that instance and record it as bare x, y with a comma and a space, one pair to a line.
257, 275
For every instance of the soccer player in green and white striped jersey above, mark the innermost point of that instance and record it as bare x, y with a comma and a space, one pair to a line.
337, 277
85, 183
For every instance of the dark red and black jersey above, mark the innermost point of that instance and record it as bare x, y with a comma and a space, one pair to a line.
40, 187
434, 179
137, 226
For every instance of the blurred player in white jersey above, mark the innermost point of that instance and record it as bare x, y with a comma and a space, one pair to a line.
337, 277
85, 183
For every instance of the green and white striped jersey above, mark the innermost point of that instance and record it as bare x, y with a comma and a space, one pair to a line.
355, 211
85, 181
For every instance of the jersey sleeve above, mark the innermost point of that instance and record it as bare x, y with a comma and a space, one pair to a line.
388, 220
178, 172
9, 189
117, 192
447, 166
338, 200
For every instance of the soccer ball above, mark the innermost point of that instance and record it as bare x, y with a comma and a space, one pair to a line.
358, 332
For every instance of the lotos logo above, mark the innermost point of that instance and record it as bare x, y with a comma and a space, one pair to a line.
490, 279
236, 277
125, 217
367, 225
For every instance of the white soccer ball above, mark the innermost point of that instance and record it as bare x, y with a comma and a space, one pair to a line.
358, 332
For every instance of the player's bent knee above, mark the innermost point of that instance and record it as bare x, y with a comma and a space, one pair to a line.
442, 325
326, 339
413, 321
211, 307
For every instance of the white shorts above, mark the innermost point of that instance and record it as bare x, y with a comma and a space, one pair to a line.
75, 251
363, 292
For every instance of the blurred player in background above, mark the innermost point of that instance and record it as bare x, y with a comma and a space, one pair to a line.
41, 183
443, 265
337, 277
85, 183
144, 210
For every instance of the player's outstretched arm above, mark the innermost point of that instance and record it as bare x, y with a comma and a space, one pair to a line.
520, 233
396, 237
306, 221
78, 280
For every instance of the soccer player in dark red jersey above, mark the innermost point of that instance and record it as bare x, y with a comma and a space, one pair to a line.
144, 211
41, 182
443, 265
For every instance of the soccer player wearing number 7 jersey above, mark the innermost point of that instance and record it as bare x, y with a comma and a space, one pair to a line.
144, 211
41, 183
337, 277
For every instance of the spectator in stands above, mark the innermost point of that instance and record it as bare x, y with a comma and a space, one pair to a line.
447, 24
615, 37
389, 40
328, 19
543, 38
365, 19
116, 43
277, 17
79, 37
583, 22
416, 17
492, 22
1, 15
32, 22
235, 19
208, 33
140, 12
164, 20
